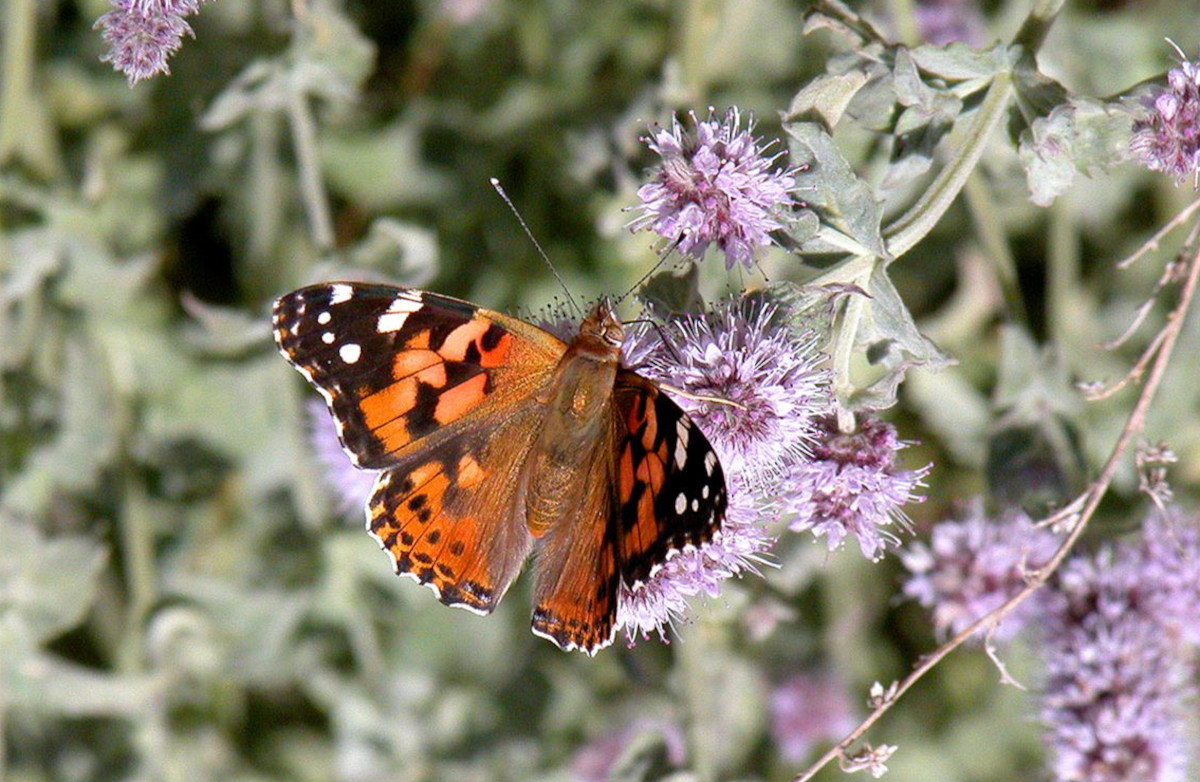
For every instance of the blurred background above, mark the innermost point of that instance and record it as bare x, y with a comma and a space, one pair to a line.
184, 594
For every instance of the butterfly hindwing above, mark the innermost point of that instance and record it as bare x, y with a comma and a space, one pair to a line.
452, 516
397, 365
670, 486
578, 565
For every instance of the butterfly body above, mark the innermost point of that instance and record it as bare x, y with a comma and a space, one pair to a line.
495, 439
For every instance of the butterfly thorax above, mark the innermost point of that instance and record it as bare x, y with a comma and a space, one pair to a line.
578, 402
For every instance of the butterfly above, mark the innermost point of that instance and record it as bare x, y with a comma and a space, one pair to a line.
496, 440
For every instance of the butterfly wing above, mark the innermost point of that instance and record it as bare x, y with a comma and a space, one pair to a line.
578, 571
654, 486
403, 369
670, 486
441, 395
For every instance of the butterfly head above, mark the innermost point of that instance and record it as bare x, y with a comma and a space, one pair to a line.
601, 327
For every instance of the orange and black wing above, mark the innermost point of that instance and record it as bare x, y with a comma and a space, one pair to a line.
403, 369
440, 394
670, 486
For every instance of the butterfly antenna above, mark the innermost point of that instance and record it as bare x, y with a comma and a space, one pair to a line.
661, 260
499, 189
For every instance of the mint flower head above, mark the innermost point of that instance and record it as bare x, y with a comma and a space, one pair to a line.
715, 185
142, 34
1167, 139
1119, 700
852, 487
972, 566
745, 353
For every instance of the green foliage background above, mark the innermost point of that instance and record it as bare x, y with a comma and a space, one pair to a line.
180, 599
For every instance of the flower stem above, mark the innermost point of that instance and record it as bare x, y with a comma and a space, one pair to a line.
312, 188
843, 351
913, 225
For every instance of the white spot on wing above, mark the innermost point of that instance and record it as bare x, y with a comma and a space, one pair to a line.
341, 292
402, 306
327, 337
704, 492
391, 321
350, 352
324, 318
710, 461
680, 503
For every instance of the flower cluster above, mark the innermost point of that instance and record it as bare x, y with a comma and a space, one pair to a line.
852, 487
1120, 645
972, 566
142, 34
1168, 138
715, 186
765, 374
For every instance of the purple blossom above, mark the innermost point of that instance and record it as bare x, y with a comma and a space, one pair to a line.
745, 352
715, 186
1120, 687
807, 710
143, 34
941, 22
351, 486
1167, 139
972, 566
852, 486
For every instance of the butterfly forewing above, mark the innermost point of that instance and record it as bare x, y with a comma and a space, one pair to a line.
398, 365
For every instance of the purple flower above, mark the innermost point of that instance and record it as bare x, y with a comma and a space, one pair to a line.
1120, 692
971, 567
1168, 138
142, 34
941, 22
351, 486
808, 710
745, 352
714, 187
852, 486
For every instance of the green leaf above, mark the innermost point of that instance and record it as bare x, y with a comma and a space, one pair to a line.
86, 439
929, 114
1082, 135
384, 167
1035, 456
831, 188
825, 98
672, 291
47, 586
958, 62
891, 342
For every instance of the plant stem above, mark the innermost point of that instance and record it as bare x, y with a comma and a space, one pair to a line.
312, 188
913, 225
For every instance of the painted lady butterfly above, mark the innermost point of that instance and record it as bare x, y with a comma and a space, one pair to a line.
495, 438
